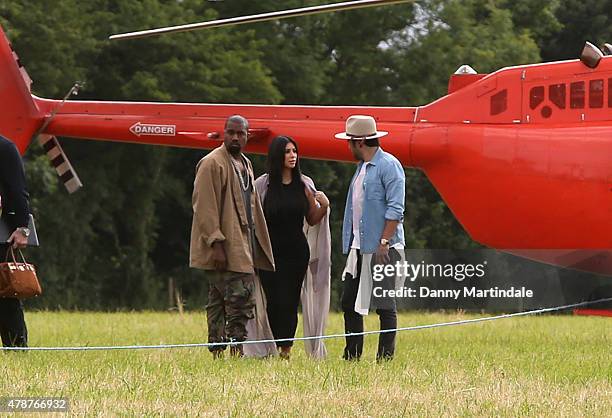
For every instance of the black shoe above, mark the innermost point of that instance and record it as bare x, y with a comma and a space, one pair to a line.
384, 358
351, 356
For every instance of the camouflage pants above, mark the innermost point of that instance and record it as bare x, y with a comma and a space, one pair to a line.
230, 305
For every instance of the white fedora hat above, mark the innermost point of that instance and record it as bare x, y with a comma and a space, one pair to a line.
359, 127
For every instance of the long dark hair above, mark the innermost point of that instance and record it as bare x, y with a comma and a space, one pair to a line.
275, 165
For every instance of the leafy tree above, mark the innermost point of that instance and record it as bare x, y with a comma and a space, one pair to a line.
579, 21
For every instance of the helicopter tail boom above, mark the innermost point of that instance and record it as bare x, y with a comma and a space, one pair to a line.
201, 125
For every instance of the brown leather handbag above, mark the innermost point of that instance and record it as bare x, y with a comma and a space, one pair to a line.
18, 280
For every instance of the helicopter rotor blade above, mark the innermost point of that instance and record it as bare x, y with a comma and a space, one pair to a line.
263, 17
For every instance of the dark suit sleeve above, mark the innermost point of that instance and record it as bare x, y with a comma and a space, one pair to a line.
12, 185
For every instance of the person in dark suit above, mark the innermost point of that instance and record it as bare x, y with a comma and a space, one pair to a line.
15, 214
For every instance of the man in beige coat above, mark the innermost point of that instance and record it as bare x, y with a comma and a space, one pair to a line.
229, 236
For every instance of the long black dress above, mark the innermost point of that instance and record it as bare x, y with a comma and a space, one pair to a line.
285, 210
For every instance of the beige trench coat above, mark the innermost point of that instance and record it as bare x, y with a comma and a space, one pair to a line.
219, 214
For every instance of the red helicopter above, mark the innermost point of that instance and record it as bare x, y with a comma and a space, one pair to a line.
522, 156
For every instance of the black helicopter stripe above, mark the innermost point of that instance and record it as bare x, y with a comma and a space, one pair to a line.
57, 161
60, 162
67, 176
49, 145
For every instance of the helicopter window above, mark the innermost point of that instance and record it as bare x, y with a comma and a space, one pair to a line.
577, 95
556, 93
499, 102
536, 96
596, 88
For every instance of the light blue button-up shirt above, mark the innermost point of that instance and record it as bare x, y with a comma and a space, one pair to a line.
384, 190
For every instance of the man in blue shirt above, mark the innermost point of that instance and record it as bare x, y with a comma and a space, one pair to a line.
372, 234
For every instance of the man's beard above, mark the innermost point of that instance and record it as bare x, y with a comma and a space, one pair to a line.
234, 149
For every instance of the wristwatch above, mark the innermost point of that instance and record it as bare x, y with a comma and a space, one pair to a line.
384, 241
24, 231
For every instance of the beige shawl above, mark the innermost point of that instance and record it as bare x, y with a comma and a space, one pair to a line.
315, 289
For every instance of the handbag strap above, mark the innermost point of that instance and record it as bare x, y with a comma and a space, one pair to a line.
22, 257
11, 251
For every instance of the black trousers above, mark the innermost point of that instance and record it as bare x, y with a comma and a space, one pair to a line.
12, 323
283, 288
353, 322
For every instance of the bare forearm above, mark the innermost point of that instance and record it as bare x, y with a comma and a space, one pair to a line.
389, 229
315, 214
317, 209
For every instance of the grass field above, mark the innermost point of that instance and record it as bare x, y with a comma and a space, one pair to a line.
530, 366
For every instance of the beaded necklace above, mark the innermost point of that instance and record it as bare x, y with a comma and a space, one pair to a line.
245, 182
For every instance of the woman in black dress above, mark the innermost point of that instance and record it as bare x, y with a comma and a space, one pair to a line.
288, 201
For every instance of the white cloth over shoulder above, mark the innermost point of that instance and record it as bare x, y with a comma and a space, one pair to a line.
315, 289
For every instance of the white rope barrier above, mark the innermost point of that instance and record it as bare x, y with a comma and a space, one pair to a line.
319, 337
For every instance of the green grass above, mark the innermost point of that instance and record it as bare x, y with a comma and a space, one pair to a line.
547, 365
